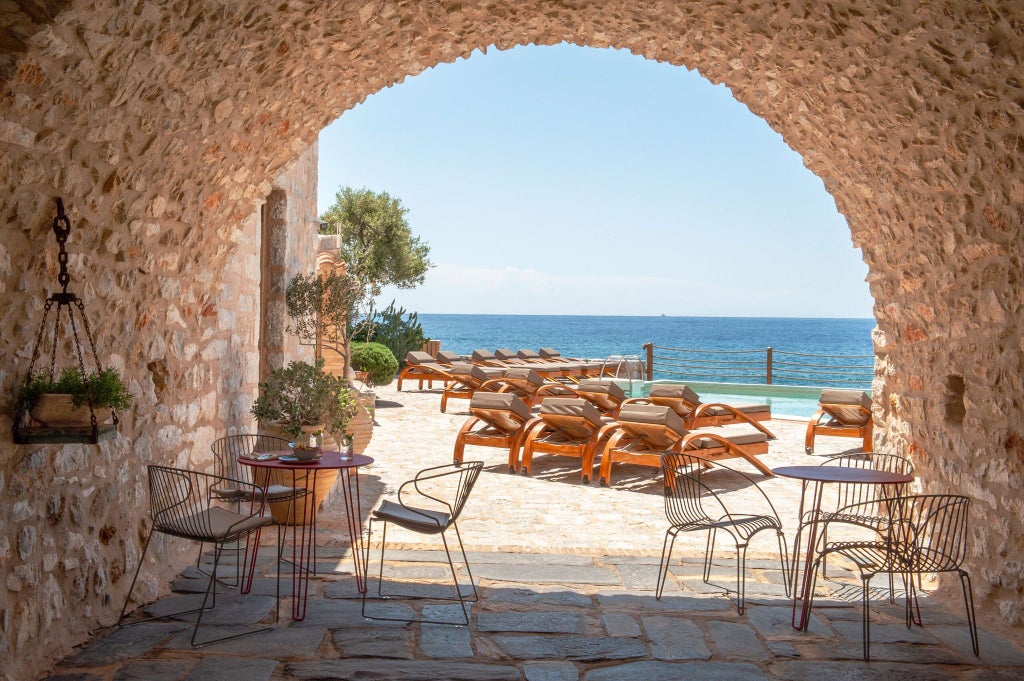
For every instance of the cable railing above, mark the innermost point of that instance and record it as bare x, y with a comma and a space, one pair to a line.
768, 366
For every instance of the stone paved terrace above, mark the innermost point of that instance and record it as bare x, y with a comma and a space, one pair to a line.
566, 576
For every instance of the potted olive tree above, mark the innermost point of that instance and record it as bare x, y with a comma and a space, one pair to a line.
299, 400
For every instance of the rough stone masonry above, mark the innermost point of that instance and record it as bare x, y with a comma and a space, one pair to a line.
165, 128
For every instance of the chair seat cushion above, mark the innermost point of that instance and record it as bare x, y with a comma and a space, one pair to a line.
412, 518
213, 525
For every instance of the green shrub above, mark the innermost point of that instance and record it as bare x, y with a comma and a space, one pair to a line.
401, 331
103, 389
377, 360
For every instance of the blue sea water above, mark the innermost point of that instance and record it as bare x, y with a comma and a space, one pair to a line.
599, 337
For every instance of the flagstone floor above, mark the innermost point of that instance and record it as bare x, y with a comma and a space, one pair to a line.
565, 573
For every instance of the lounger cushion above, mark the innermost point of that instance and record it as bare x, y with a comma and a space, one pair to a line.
744, 408
572, 406
549, 353
737, 436
478, 372
527, 354
653, 414
448, 357
483, 356
500, 401
609, 388
525, 375
418, 357
675, 391
504, 354
840, 396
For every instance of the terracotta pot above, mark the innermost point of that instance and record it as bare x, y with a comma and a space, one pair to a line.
324, 481
58, 410
361, 425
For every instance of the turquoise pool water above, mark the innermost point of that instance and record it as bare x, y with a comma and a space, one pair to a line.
785, 400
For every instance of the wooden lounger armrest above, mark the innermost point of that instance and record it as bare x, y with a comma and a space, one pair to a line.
732, 410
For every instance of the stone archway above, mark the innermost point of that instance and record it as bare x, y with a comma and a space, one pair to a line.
163, 125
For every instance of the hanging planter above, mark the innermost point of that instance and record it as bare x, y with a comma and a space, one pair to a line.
61, 407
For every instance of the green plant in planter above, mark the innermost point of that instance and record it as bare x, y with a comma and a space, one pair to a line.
377, 360
101, 389
303, 394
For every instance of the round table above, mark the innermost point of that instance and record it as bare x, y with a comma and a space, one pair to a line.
820, 476
305, 533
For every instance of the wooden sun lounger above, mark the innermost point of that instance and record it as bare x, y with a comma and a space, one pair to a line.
849, 415
530, 386
696, 414
422, 367
567, 426
467, 379
646, 431
498, 420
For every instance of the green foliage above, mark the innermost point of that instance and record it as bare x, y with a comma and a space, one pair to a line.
103, 389
320, 306
376, 359
377, 244
401, 331
303, 394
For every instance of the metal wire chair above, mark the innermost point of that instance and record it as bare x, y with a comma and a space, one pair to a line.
183, 504
460, 479
925, 534
686, 491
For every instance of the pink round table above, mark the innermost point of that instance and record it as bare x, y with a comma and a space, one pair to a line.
305, 533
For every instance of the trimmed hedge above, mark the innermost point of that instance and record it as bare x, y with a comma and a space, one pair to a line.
377, 360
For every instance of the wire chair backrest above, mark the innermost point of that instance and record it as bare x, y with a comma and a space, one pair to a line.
180, 502
466, 474
227, 449
683, 489
847, 494
938, 531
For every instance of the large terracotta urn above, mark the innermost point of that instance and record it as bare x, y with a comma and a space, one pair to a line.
325, 479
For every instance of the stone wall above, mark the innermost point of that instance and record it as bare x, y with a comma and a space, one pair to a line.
164, 125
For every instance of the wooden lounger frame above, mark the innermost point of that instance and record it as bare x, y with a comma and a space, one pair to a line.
547, 434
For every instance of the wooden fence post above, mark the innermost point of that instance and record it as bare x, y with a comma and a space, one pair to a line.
649, 347
768, 366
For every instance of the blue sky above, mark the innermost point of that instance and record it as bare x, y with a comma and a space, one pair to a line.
567, 180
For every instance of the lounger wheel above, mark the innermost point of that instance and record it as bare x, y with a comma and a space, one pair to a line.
586, 479
512, 469
604, 482
808, 450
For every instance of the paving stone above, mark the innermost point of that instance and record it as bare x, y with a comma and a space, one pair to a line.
1014, 674
401, 670
139, 640
336, 613
644, 578
548, 574
571, 647
153, 670
777, 622
675, 638
782, 649
674, 671
629, 560
532, 622
495, 557
550, 671
409, 571
441, 640
535, 595
885, 633
631, 602
232, 668
620, 624
74, 676
283, 643
815, 670
992, 650
261, 586
230, 609
853, 651
384, 642
348, 588
736, 641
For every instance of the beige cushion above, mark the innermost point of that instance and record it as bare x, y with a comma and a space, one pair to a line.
841, 396
525, 375
418, 357
527, 354
500, 401
464, 369
737, 436
653, 414
483, 356
549, 353
674, 391
572, 406
214, 524
744, 408
605, 387
448, 357
504, 354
